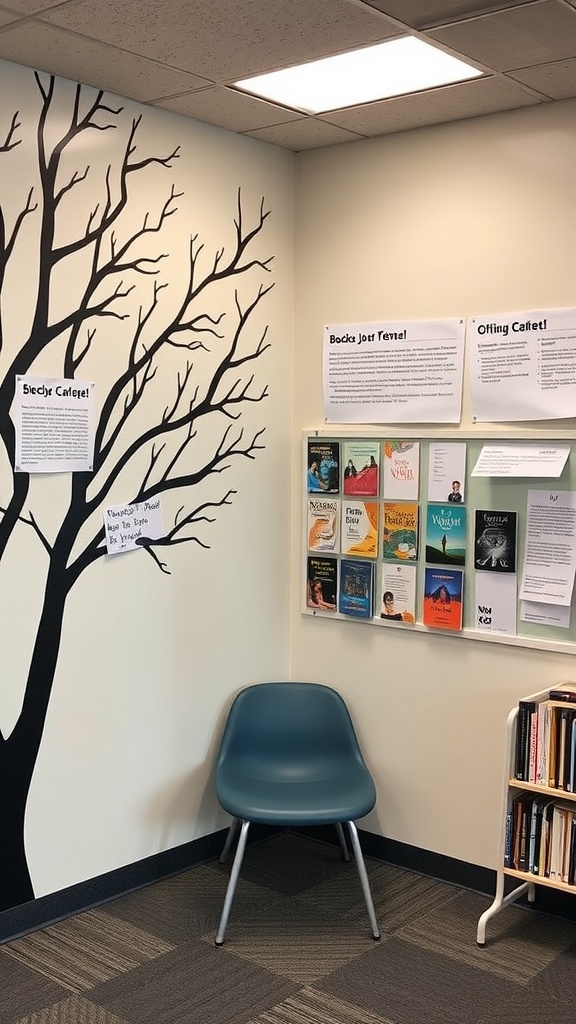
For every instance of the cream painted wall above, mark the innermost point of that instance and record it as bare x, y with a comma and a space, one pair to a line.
148, 661
461, 219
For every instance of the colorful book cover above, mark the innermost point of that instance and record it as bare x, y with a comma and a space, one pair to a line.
400, 530
359, 530
323, 524
446, 534
361, 467
356, 588
495, 541
399, 593
443, 598
401, 470
321, 584
323, 466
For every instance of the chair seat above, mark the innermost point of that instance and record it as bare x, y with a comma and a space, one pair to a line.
318, 801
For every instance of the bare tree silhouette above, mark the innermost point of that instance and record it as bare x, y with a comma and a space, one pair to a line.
167, 447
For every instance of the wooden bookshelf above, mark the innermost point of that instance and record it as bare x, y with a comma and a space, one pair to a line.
514, 787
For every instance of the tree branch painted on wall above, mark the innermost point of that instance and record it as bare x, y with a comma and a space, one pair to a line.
118, 305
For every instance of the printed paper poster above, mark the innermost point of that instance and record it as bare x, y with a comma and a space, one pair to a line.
399, 593
321, 583
447, 472
359, 529
446, 534
496, 603
323, 472
443, 598
323, 522
400, 530
402, 470
495, 541
361, 468
55, 425
356, 588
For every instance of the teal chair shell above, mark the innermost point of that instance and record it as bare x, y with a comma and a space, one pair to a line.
289, 757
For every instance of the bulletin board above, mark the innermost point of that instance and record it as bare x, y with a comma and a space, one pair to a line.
498, 493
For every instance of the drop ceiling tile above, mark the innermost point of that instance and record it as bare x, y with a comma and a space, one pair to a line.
451, 103
27, 7
227, 108
423, 13
7, 17
84, 60
558, 80
518, 38
308, 133
227, 40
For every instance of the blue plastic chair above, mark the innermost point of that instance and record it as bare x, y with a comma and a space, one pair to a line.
289, 757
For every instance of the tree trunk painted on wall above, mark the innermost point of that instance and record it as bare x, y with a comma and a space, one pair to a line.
122, 287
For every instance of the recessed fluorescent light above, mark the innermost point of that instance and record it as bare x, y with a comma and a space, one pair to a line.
393, 68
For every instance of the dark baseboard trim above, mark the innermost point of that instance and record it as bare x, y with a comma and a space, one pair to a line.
81, 897
47, 909
436, 865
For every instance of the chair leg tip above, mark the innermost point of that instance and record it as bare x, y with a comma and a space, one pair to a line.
218, 942
377, 938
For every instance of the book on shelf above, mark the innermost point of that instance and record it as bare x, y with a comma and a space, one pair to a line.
321, 583
323, 524
400, 531
533, 745
359, 529
564, 692
355, 595
361, 467
508, 839
571, 781
522, 751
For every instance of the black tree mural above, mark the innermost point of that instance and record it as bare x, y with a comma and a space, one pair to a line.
200, 333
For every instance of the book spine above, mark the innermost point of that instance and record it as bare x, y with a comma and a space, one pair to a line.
533, 751
522, 726
508, 839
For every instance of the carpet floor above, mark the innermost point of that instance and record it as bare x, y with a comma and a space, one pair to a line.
298, 951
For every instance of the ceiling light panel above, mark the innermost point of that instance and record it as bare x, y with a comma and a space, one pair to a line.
393, 68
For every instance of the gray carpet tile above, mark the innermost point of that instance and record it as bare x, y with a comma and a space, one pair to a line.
298, 951
189, 905
85, 950
535, 1009
399, 896
558, 977
73, 1010
309, 1006
297, 942
410, 985
23, 991
290, 863
196, 982
520, 943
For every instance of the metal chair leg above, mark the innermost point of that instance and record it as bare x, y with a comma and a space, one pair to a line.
229, 840
363, 879
232, 882
342, 841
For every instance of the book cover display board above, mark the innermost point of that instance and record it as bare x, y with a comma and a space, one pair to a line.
476, 536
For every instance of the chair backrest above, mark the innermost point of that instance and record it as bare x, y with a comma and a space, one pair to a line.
287, 723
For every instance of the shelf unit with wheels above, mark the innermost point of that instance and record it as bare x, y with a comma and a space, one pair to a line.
514, 787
